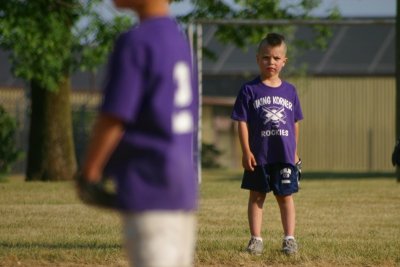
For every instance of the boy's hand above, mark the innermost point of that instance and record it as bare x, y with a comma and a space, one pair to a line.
249, 161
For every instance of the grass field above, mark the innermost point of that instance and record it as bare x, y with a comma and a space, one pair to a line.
340, 222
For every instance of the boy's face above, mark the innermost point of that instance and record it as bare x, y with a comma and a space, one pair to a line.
271, 59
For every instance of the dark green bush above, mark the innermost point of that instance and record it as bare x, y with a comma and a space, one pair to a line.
209, 156
83, 118
9, 153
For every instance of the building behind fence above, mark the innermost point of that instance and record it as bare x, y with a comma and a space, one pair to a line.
349, 125
348, 101
347, 96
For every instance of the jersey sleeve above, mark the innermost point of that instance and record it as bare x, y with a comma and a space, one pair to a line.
123, 90
241, 107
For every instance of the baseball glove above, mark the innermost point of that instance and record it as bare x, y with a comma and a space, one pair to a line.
298, 166
396, 154
95, 194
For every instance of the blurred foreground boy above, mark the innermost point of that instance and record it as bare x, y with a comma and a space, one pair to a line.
143, 137
268, 110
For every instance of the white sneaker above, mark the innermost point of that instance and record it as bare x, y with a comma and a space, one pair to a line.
255, 246
289, 246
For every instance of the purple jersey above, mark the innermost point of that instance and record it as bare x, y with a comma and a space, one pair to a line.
270, 114
151, 89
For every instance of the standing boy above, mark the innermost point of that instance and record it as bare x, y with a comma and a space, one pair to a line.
144, 137
268, 110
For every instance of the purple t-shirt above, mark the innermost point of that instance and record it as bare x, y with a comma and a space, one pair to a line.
270, 114
151, 88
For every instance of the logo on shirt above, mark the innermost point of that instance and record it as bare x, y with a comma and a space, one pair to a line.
274, 115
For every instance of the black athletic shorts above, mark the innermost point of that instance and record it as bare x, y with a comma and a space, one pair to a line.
280, 178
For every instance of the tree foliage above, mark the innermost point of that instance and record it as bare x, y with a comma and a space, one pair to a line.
9, 153
244, 36
50, 39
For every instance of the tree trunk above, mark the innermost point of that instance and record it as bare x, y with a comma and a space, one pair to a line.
51, 155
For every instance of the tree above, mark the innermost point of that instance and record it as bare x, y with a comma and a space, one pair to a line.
245, 35
48, 43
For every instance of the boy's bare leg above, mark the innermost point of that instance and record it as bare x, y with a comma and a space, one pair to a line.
288, 214
255, 212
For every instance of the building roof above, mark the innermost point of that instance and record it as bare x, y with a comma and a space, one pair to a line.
353, 50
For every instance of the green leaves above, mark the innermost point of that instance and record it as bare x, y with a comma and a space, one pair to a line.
8, 150
37, 34
46, 42
248, 35
92, 44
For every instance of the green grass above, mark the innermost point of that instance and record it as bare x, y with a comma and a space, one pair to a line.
340, 222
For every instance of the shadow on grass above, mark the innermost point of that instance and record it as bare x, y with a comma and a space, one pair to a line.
230, 175
30, 245
347, 175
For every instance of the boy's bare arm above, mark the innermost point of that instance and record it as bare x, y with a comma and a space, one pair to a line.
248, 159
106, 134
296, 134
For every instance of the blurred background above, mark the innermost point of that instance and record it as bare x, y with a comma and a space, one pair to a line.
346, 88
